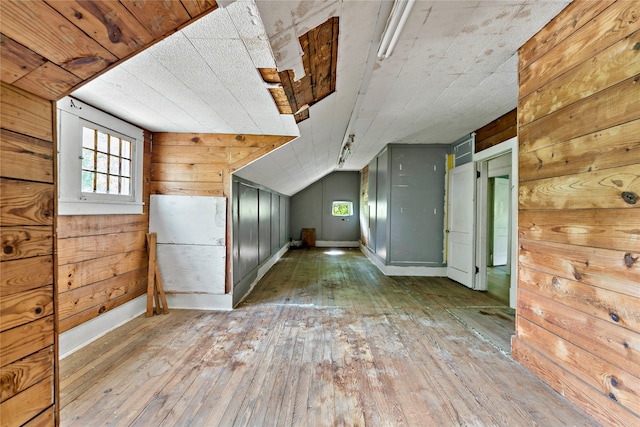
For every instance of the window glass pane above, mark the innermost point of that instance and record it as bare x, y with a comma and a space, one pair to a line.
88, 158
126, 149
102, 162
113, 184
342, 209
126, 168
88, 138
114, 165
126, 187
114, 145
87, 182
103, 144
101, 183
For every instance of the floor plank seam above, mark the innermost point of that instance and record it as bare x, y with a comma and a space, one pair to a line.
479, 334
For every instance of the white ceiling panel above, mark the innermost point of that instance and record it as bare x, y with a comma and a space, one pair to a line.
454, 70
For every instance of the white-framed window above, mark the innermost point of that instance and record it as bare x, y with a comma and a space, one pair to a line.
100, 162
341, 208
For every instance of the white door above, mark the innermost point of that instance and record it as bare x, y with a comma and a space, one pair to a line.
501, 209
461, 208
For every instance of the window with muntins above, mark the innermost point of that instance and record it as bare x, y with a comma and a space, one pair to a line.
100, 162
342, 208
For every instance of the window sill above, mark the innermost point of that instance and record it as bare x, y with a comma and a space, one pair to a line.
82, 207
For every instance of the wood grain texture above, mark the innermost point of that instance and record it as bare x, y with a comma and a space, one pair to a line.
44, 419
604, 268
499, 130
614, 64
96, 225
25, 242
567, 21
159, 18
17, 60
591, 300
322, 340
584, 154
24, 157
39, 27
26, 113
26, 339
49, 81
595, 404
618, 229
76, 275
612, 24
196, 172
22, 374
591, 190
618, 346
107, 22
21, 408
188, 188
25, 307
26, 203
77, 249
198, 7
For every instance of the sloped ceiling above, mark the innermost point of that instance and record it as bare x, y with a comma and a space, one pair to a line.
453, 71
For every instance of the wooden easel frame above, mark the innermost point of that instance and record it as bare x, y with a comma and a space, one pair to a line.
155, 289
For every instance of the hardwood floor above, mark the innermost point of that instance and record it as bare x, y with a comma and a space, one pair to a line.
498, 283
323, 340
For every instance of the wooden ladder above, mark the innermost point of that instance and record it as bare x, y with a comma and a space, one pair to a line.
155, 290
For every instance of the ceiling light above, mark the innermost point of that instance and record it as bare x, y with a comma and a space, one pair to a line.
395, 24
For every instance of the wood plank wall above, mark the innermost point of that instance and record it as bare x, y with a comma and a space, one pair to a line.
192, 164
102, 259
364, 205
499, 130
28, 348
578, 308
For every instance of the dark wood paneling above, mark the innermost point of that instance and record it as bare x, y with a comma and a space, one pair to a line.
499, 130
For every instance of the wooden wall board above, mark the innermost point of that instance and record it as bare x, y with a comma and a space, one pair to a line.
24, 307
95, 225
49, 81
611, 381
568, 20
46, 418
25, 157
23, 373
603, 189
81, 317
499, 130
25, 242
21, 408
619, 104
26, 203
618, 346
25, 113
26, 339
212, 139
584, 154
198, 154
76, 275
618, 62
76, 249
24, 274
197, 172
590, 300
17, 60
614, 23
110, 23
603, 268
583, 227
99, 293
594, 404
188, 188
76, 52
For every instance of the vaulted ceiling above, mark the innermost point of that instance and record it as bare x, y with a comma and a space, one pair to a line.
452, 71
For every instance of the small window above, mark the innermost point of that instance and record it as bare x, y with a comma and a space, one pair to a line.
340, 208
100, 162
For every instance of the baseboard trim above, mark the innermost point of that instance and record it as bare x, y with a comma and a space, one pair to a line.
403, 270
337, 244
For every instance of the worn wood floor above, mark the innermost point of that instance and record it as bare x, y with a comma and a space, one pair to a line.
324, 340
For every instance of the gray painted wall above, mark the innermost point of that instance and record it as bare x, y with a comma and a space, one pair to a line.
409, 201
311, 208
260, 220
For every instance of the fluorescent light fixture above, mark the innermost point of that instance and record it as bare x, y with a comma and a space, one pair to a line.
346, 150
395, 25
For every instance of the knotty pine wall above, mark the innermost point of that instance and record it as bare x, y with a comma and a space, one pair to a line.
102, 259
28, 343
578, 307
